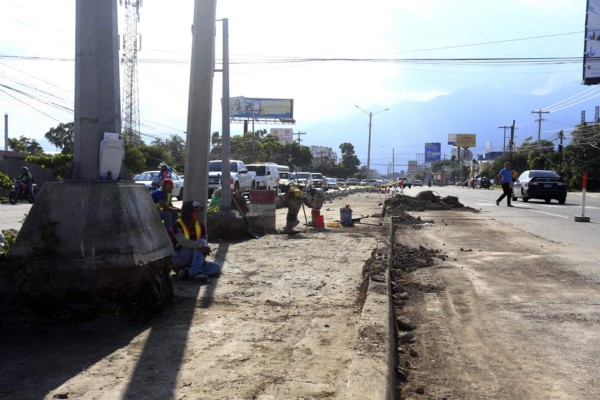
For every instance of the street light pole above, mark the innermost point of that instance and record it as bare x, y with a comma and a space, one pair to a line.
370, 114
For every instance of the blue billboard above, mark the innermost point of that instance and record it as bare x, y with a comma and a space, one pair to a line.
433, 152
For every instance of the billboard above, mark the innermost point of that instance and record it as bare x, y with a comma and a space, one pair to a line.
285, 135
247, 107
591, 55
462, 139
433, 152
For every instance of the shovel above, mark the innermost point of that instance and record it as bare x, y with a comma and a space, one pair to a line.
246, 221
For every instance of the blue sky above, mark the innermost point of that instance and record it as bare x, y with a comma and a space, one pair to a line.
38, 93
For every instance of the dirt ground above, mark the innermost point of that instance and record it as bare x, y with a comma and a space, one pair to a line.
482, 310
280, 323
504, 315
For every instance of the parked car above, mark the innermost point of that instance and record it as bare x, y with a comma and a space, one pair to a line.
319, 181
332, 183
150, 180
302, 179
267, 175
482, 183
340, 182
363, 182
352, 182
240, 180
540, 184
417, 182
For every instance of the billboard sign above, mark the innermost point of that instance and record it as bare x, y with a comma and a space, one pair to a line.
591, 55
247, 107
433, 152
285, 135
452, 139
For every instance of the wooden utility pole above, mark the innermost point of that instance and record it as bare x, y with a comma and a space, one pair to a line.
299, 133
539, 120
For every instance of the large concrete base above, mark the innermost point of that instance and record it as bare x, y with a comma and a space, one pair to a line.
90, 242
231, 226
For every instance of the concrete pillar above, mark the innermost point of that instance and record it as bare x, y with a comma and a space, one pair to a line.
97, 88
85, 239
200, 101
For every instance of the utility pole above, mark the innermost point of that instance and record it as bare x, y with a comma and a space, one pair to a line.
511, 144
505, 127
299, 133
539, 120
561, 136
393, 162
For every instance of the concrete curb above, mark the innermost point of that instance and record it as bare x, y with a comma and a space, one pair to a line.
371, 372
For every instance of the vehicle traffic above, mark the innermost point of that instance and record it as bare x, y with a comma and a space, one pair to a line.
150, 179
267, 175
332, 183
540, 184
319, 181
417, 182
240, 180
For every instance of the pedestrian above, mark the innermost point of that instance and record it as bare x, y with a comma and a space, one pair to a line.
163, 201
190, 242
505, 177
27, 178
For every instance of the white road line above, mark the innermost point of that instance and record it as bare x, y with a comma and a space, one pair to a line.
547, 213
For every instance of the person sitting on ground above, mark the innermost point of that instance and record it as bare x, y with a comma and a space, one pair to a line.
163, 201
214, 205
189, 237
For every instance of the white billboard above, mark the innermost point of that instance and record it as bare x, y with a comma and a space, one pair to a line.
591, 56
285, 135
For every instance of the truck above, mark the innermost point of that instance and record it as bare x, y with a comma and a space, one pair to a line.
241, 180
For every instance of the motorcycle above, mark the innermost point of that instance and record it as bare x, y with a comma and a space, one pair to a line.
19, 192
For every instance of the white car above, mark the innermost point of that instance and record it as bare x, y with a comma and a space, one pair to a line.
150, 180
417, 182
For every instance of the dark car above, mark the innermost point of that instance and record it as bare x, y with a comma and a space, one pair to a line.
540, 184
482, 183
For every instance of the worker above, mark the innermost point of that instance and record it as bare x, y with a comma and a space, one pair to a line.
190, 242
163, 201
294, 198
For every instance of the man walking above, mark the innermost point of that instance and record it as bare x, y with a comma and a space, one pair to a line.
505, 177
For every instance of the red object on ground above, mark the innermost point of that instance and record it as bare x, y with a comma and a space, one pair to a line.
262, 197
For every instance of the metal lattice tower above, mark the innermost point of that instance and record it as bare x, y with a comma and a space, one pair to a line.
131, 46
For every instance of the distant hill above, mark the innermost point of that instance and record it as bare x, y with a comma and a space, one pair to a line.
407, 126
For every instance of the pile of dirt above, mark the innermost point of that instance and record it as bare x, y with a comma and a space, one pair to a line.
400, 204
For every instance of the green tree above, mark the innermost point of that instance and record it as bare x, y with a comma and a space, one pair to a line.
582, 155
62, 137
58, 163
350, 162
25, 145
135, 160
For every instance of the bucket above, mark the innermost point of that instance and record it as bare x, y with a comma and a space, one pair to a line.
346, 216
320, 222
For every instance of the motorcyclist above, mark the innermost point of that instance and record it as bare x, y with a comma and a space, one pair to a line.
27, 178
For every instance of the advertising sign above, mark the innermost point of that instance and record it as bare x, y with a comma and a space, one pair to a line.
433, 152
246, 107
412, 166
465, 140
285, 135
452, 139
591, 56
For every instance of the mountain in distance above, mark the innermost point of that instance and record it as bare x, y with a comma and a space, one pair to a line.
407, 126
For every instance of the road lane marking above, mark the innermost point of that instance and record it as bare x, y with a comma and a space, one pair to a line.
547, 213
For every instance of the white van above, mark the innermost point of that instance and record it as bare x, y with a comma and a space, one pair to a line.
267, 175
285, 176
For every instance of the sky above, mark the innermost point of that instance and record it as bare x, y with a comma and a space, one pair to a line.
394, 51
